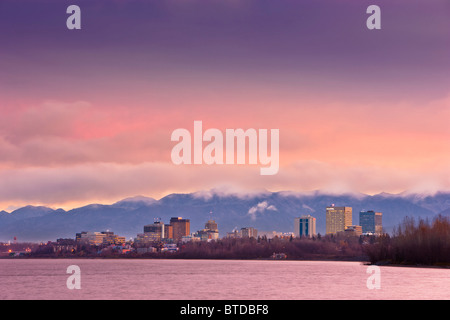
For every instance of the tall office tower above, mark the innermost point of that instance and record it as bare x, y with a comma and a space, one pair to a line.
168, 231
371, 222
338, 219
155, 231
305, 226
181, 227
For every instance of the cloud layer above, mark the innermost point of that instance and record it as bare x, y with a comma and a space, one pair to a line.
259, 209
87, 116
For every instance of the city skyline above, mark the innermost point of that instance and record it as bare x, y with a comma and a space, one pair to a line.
270, 211
338, 220
87, 114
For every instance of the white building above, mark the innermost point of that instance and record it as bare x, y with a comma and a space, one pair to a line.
305, 226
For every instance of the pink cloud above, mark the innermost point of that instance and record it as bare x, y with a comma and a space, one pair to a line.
106, 183
62, 153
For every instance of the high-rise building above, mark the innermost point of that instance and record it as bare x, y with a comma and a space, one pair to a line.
371, 222
181, 227
168, 231
154, 232
338, 219
305, 226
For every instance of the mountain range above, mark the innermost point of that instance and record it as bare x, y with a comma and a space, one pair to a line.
266, 211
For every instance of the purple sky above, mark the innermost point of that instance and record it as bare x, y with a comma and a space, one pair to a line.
307, 45
83, 110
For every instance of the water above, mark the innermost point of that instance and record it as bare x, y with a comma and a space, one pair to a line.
216, 279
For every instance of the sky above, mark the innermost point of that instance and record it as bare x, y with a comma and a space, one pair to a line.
87, 115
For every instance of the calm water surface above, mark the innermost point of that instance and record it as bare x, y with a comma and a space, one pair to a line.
216, 279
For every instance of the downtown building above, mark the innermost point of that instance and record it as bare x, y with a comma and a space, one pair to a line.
305, 226
352, 231
371, 222
249, 232
99, 238
246, 232
158, 232
211, 232
155, 233
181, 228
338, 219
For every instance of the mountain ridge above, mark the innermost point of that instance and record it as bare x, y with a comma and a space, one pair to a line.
266, 211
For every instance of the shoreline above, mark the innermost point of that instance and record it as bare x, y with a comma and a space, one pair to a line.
362, 261
175, 258
446, 266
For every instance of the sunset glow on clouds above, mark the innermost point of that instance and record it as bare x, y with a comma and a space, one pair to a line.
87, 115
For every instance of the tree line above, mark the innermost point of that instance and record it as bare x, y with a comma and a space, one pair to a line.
414, 241
317, 248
